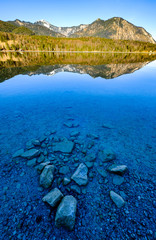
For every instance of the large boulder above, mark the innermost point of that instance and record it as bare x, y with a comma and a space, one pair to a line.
32, 153
80, 175
66, 212
64, 146
46, 176
53, 197
117, 199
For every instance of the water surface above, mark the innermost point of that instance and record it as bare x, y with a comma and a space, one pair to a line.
36, 100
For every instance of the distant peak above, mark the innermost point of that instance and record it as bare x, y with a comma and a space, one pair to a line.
98, 19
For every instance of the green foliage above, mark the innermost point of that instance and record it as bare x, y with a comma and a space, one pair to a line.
23, 31
47, 43
6, 27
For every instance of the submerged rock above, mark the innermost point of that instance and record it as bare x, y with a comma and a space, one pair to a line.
46, 176
118, 169
53, 197
117, 199
64, 170
106, 155
41, 166
80, 175
66, 212
118, 180
31, 163
102, 172
65, 146
31, 154
76, 189
66, 181
18, 153
74, 134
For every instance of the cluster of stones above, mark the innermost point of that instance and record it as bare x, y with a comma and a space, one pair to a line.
66, 205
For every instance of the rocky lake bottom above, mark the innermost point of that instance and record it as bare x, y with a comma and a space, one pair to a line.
78, 157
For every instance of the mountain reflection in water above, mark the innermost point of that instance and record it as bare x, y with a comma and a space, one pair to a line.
107, 65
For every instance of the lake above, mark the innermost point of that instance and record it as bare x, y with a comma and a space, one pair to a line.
103, 104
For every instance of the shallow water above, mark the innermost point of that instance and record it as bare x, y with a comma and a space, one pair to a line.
31, 106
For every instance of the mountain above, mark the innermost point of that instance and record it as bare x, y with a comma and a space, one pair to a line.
36, 28
66, 31
115, 28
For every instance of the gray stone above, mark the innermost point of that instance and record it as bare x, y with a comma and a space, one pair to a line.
117, 199
53, 197
75, 134
46, 176
118, 180
76, 189
80, 175
65, 146
66, 181
118, 169
41, 166
106, 155
31, 163
102, 172
64, 170
66, 212
18, 153
31, 154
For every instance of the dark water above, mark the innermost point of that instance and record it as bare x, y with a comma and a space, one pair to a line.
33, 106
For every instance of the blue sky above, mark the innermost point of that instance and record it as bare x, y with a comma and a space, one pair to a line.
70, 12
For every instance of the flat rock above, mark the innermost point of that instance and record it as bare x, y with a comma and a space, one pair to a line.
66, 212
64, 170
106, 155
118, 169
18, 153
65, 146
31, 154
46, 176
80, 175
31, 162
118, 180
53, 197
117, 199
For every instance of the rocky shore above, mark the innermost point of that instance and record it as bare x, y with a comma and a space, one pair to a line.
69, 190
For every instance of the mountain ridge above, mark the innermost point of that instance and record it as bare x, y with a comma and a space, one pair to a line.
113, 28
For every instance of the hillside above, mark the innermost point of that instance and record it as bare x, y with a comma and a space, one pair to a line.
37, 29
9, 41
115, 28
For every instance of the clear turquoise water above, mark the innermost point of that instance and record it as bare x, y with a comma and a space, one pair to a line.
31, 106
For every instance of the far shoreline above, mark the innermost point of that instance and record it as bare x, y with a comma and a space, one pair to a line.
23, 51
